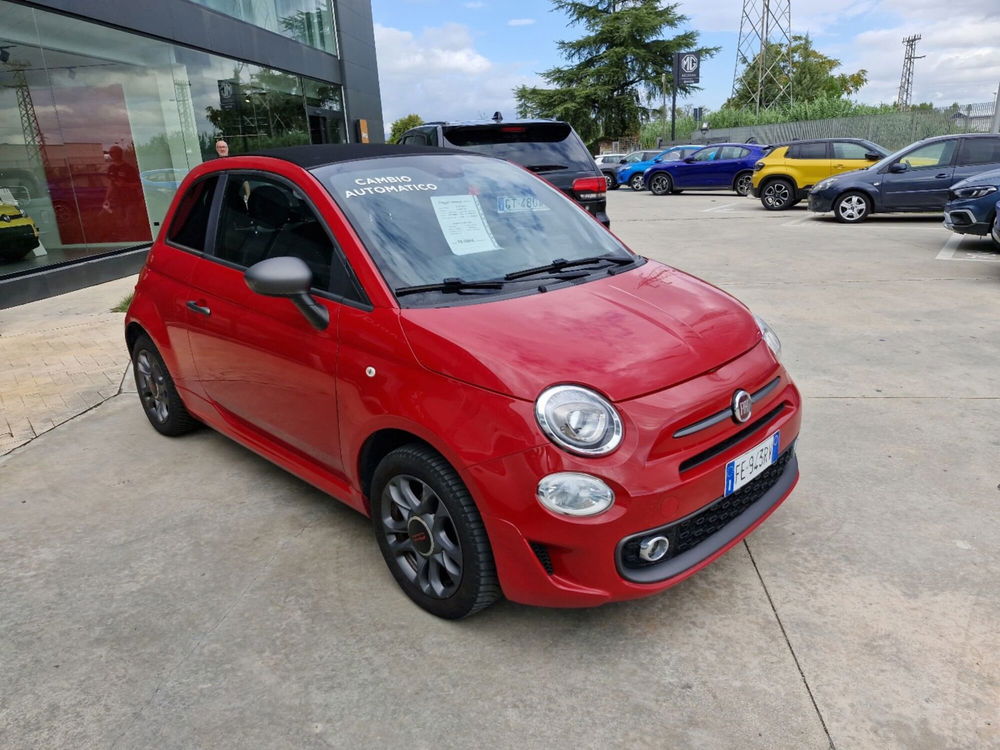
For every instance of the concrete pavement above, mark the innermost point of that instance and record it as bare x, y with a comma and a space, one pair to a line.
179, 593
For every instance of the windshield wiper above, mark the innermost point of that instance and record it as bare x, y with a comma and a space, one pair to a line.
545, 167
560, 263
454, 285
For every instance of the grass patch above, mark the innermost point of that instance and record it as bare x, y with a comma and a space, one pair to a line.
123, 305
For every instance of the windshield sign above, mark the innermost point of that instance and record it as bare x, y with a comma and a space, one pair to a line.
444, 221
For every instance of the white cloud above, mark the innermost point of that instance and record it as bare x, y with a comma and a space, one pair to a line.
439, 75
520, 22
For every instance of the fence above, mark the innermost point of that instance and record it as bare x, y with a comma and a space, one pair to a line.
893, 130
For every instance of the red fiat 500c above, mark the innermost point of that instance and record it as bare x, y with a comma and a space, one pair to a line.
448, 344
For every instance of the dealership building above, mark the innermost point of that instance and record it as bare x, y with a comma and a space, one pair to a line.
105, 105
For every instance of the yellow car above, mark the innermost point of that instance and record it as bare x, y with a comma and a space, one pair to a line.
784, 177
18, 233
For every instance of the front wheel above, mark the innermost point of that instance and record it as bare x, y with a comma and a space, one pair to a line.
778, 195
635, 182
743, 183
852, 208
431, 534
661, 184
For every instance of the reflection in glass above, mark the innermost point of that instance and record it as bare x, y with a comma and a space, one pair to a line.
308, 21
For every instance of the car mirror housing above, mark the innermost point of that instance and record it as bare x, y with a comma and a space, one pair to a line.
689, 160
658, 159
621, 161
872, 156
899, 166
288, 277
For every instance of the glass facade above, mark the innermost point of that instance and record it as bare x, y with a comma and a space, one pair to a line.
99, 126
310, 22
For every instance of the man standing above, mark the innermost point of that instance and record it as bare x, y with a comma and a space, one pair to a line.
221, 148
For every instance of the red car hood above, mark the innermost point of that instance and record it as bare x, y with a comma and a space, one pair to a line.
624, 335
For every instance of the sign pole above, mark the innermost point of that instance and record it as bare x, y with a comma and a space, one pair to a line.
995, 128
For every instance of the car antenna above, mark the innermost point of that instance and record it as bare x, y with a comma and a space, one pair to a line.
497, 117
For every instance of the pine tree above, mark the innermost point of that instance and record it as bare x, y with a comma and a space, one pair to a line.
615, 67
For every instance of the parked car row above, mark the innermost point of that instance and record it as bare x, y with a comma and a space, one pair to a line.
851, 177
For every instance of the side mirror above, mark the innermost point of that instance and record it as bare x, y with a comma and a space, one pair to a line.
872, 156
621, 161
899, 166
288, 277
658, 159
689, 160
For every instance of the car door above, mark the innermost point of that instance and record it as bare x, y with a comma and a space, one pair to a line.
975, 155
924, 182
810, 162
260, 363
723, 169
848, 156
696, 172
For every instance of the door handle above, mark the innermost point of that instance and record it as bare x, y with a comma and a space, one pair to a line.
941, 176
192, 305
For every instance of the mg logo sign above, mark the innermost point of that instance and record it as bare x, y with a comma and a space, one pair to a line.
687, 68
689, 63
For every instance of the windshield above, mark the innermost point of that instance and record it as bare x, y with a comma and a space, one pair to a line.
542, 147
428, 218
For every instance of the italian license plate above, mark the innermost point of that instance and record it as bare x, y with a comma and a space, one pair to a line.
743, 469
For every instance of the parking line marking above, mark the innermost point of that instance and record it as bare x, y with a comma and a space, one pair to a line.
723, 207
947, 252
800, 220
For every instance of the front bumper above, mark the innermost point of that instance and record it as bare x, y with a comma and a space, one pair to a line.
660, 481
966, 221
822, 202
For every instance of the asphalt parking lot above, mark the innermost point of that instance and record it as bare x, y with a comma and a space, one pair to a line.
185, 593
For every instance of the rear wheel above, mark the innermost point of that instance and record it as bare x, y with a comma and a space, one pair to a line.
635, 182
852, 208
661, 184
160, 401
431, 534
778, 195
743, 183
611, 182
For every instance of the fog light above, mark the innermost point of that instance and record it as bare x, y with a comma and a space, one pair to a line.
575, 494
653, 548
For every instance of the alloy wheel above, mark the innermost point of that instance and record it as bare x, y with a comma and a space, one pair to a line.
152, 386
852, 208
607, 181
635, 182
659, 185
743, 184
421, 535
777, 195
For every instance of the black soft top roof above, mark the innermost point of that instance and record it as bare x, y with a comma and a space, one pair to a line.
309, 157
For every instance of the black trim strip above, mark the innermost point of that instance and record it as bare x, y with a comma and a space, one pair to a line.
715, 450
725, 413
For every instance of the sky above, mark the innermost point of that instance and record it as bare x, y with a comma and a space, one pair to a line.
460, 59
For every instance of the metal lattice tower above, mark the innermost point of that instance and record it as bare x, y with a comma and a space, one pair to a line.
764, 53
906, 80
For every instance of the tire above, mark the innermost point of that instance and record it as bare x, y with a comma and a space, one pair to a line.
778, 194
635, 182
611, 182
661, 184
995, 235
743, 183
431, 535
852, 207
10, 256
161, 403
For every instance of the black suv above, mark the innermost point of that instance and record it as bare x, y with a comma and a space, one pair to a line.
550, 148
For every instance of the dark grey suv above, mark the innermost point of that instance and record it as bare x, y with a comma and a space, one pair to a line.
550, 148
916, 178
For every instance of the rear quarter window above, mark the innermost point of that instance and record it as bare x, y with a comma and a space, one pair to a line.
190, 223
541, 147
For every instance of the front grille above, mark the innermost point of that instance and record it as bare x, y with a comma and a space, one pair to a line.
699, 526
542, 553
729, 442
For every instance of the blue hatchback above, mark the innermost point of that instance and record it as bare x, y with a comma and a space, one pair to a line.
631, 172
972, 206
721, 166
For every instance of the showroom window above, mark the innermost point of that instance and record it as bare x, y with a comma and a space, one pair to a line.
311, 22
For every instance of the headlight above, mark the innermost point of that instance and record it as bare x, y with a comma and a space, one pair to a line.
578, 420
575, 494
822, 185
770, 337
975, 191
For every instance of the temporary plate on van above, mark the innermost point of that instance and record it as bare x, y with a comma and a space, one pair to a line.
743, 469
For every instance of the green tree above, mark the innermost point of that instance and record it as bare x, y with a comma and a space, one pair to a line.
614, 68
403, 124
810, 72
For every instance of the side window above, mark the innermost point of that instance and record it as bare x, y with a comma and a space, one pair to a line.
706, 154
847, 150
980, 151
430, 137
191, 220
733, 152
265, 218
937, 154
807, 151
